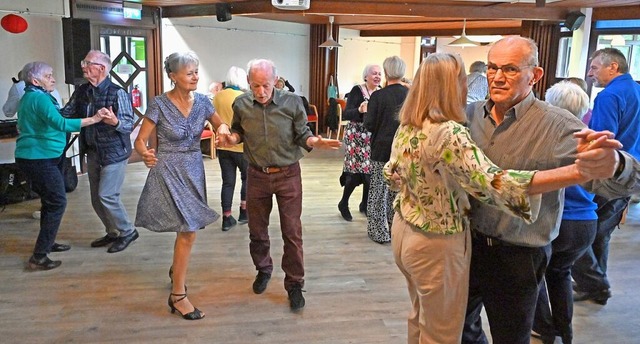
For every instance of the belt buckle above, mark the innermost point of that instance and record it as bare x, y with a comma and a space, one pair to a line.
489, 241
265, 170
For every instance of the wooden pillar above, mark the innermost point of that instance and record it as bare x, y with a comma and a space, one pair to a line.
323, 63
547, 36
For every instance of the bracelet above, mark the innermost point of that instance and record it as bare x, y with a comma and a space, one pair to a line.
621, 165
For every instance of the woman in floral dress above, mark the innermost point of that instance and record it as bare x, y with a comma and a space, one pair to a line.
435, 165
357, 141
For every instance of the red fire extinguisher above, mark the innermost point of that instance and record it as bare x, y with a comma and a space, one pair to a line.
136, 99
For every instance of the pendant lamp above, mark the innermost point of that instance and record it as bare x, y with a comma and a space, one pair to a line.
330, 43
463, 41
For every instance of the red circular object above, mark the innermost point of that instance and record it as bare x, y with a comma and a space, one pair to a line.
14, 23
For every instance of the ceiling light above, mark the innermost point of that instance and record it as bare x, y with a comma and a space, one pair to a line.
463, 41
330, 43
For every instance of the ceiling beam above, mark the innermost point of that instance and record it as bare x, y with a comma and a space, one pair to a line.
441, 32
349, 8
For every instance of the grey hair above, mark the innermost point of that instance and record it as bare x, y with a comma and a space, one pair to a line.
568, 96
532, 58
610, 55
34, 71
262, 64
478, 67
237, 76
367, 69
177, 61
103, 58
394, 67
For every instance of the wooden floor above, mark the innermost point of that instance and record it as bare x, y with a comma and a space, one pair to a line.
354, 291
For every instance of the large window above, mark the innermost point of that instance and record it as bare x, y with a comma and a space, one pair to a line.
628, 44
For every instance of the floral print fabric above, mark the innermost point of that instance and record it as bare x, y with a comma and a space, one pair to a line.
439, 165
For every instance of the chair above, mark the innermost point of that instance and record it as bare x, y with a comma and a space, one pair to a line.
313, 117
341, 123
209, 134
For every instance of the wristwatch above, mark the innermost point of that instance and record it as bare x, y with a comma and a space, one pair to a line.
621, 165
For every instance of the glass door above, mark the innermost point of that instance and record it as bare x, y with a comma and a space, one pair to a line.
132, 66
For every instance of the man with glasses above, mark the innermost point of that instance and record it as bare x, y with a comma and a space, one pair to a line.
617, 109
107, 146
518, 131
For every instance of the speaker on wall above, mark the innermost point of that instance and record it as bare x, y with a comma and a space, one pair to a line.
223, 12
574, 20
77, 43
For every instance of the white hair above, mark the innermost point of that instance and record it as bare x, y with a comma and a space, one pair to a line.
568, 96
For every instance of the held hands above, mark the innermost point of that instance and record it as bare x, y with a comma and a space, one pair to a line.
322, 143
108, 116
363, 107
597, 157
223, 136
149, 158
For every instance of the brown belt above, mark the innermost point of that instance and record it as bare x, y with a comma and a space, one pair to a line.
271, 169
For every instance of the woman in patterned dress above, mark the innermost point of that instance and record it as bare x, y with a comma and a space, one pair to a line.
435, 165
356, 141
174, 197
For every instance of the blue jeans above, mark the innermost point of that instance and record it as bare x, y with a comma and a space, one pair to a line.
506, 280
105, 183
229, 163
574, 239
47, 180
590, 270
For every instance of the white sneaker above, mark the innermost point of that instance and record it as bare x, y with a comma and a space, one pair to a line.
36, 215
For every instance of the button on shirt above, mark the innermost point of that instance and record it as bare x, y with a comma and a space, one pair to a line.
533, 136
272, 133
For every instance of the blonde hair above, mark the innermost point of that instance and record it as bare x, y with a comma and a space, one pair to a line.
436, 91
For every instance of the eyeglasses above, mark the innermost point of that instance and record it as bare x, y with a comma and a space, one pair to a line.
508, 70
85, 63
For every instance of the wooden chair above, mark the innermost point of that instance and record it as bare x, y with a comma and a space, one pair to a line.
341, 123
209, 134
313, 117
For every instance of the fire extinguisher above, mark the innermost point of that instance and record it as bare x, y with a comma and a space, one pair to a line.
136, 100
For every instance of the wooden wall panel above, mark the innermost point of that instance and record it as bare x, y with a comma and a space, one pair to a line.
322, 64
547, 36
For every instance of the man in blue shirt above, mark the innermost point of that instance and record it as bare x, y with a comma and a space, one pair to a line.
617, 109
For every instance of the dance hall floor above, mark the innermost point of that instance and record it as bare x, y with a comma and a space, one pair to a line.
354, 291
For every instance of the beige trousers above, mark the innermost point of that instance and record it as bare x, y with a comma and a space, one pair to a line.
436, 267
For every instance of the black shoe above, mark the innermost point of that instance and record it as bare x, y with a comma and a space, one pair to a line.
228, 222
260, 284
600, 297
344, 211
104, 241
60, 247
195, 315
544, 338
243, 218
363, 208
43, 263
122, 242
296, 300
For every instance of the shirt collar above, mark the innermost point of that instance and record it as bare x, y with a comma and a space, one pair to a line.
516, 111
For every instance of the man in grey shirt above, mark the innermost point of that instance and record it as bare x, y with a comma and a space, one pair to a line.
273, 126
518, 131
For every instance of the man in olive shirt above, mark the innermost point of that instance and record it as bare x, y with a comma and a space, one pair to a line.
273, 126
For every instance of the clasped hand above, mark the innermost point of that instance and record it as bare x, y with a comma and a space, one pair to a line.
597, 156
107, 116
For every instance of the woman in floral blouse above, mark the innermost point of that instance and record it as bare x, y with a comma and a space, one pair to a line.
435, 165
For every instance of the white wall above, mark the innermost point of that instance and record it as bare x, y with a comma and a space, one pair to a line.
469, 54
220, 45
41, 42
